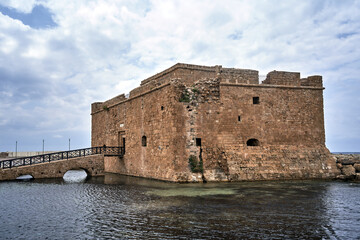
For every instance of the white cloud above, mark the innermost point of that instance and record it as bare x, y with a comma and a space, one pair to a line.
24, 6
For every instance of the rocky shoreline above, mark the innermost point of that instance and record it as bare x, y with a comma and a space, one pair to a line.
349, 165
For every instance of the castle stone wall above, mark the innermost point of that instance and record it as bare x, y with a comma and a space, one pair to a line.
211, 114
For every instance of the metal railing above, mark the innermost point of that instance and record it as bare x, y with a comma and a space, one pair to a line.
43, 158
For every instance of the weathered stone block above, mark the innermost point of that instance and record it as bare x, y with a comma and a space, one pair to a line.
348, 170
357, 167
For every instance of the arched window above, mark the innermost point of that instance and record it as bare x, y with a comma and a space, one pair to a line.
253, 142
143, 141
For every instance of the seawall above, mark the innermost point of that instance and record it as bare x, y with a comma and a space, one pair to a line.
349, 164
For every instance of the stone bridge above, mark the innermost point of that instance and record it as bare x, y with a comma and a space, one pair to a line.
55, 165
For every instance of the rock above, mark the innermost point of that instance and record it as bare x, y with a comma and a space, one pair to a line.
357, 177
348, 170
357, 167
341, 177
347, 159
339, 165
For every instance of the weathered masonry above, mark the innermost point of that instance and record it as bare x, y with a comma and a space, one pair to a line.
194, 123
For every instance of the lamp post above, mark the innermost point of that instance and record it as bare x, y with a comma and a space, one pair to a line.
16, 149
69, 144
43, 146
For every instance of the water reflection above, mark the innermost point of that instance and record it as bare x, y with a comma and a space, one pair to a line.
73, 176
126, 207
25, 177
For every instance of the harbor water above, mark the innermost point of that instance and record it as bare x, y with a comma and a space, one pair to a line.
120, 207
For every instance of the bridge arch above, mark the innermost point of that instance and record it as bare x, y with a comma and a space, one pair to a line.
56, 168
25, 176
77, 174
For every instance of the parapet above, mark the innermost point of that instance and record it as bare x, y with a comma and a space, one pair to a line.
283, 78
97, 106
115, 100
236, 75
312, 81
292, 79
165, 74
189, 74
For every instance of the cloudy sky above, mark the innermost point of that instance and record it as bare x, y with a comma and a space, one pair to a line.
57, 57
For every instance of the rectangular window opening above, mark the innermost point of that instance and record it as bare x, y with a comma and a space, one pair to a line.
198, 142
256, 100
143, 141
239, 119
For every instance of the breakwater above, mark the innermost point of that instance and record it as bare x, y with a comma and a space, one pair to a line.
349, 164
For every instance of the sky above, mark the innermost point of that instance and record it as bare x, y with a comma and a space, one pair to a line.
57, 57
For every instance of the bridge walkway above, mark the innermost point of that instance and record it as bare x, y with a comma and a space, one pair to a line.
65, 155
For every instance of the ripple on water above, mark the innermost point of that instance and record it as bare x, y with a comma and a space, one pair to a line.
137, 208
190, 192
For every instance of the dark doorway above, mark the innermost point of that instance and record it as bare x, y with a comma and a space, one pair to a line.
143, 141
198, 142
121, 139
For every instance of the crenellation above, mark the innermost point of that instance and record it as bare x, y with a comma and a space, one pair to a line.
233, 75
312, 81
115, 100
96, 106
282, 78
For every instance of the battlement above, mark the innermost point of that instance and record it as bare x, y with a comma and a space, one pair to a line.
168, 71
98, 106
282, 78
236, 75
312, 81
189, 74
292, 79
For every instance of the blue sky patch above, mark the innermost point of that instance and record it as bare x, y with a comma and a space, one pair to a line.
345, 35
237, 35
39, 18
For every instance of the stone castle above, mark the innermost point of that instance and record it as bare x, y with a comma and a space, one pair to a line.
193, 123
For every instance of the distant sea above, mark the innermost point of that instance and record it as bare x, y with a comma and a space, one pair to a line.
345, 152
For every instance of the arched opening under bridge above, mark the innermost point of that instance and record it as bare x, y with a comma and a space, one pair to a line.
76, 175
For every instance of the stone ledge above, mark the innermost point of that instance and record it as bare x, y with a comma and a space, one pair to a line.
269, 86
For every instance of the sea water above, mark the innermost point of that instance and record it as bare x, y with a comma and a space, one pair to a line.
121, 207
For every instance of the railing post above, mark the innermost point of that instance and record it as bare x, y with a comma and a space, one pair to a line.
10, 163
31, 160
